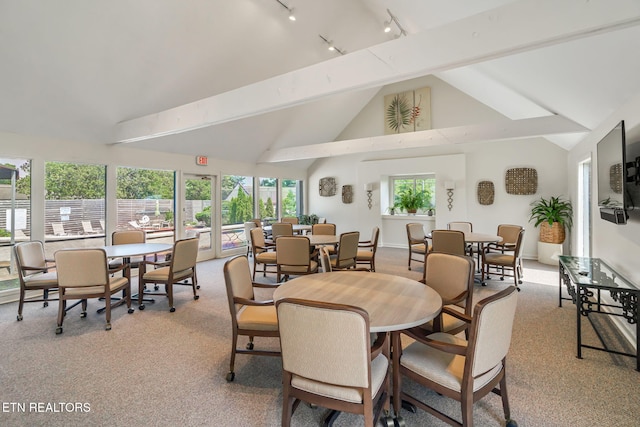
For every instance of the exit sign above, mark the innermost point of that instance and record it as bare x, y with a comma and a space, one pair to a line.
202, 160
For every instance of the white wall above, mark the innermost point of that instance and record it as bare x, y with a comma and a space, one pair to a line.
466, 164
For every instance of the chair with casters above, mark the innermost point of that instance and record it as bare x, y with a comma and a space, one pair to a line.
452, 276
248, 226
35, 272
124, 238
367, 250
181, 270
462, 369
505, 261
345, 257
509, 234
249, 317
294, 257
358, 378
263, 254
84, 274
324, 229
465, 227
448, 242
417, 243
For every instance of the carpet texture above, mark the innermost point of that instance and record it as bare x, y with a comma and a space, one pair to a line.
166, 369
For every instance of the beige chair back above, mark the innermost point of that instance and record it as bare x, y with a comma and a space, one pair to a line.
465, 227
451, 276
185, 254
281, 229
375, 234
290, 219
346, 350
81, 267
323, 229
448, 241
30, 254
415, 233
293, 251
257, 240
347, 249
248, 226
509, 234
128, 237
237, 278
491, 329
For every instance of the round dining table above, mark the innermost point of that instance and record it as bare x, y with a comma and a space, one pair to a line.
393, 302
322, 239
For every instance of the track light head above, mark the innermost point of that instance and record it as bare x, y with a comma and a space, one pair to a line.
292, 17
387, 26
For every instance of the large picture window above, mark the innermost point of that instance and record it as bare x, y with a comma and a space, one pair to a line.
237, 208
291, 197
415, 183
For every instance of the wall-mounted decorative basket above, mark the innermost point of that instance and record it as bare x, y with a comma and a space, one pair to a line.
521, 181
327, 186
347, 194
486, 192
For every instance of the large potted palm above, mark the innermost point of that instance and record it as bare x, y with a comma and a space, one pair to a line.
553, 215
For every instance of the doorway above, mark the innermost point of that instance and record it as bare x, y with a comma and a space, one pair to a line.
584, 209
198, 212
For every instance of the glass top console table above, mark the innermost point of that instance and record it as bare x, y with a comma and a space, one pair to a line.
585, 279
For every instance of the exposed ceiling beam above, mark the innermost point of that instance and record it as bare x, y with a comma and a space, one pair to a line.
502, 130
513, 28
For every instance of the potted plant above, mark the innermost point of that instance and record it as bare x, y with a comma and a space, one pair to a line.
553, 215
411, 201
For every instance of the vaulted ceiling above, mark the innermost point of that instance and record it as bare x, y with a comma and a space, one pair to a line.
238, 80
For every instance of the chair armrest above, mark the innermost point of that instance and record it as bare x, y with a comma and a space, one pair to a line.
41, 269
456, 314
265, 285
378, 345
365, 244
246, 301
445, 346
116, 269
156, 263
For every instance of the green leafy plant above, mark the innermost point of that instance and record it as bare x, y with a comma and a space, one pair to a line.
411, 200
308, 219
551, 210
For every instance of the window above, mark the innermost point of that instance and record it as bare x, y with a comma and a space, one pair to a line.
145, 200
15, 215
74, 204
237, 208
416, 183
291, 197
268, 199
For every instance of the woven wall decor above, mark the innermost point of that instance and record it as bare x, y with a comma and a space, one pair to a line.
486, 192
615, 178
521, 181
347, 194
327, 186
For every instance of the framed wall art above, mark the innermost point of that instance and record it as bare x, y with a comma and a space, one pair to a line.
327, 186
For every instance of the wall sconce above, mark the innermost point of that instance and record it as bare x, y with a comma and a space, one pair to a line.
369, 189
449, 186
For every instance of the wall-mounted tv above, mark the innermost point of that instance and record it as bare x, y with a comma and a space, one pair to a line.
619, 176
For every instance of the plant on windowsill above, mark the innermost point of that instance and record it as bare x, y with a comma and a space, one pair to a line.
553, 215
411, 201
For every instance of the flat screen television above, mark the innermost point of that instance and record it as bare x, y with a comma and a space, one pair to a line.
612, 175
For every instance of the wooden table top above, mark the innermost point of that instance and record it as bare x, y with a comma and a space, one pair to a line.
322, 239
136, 249
394, 303
474, 237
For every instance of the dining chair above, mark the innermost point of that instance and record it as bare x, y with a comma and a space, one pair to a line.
460, 369
290, 219
263, 254
248, 226
294, 257
452, 276
84, 274
448, 242
281, 229
338, 369
35, 272
417, 243
325, 229
179, 270
465, 227
505, 261
509, 234
249, 317
367, 250
123, 238
345, 257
